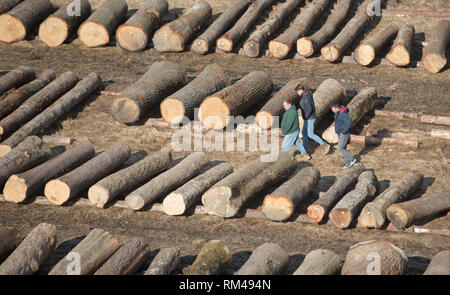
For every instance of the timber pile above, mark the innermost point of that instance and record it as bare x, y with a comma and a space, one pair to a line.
213, 259
15, 78
366, 52
320, 262
434, 59
400, 53
174, 36
267, 259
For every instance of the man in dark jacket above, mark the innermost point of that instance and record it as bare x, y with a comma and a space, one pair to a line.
342, 124
291, 130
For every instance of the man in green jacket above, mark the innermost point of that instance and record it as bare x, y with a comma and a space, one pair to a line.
291, 130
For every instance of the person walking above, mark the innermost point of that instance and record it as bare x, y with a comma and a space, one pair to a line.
342, 124
290, 129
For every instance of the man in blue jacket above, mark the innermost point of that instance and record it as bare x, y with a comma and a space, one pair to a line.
342, 124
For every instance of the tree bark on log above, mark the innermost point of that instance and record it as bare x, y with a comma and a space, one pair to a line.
60, 190
281, 204
440, 133
243, 25
267, 259
204, 42
230, 194
327, 200
320, 262
6, 5
164, 262
15, 78
183, 102
373, 214
29, 153
16, 23
254, 44
134, 34
274, 106
128, 259
282, 45
64, 104
57, 28
362, 104
348, 208
161, 80
400, 53
306, 46
366, 52
375, 258
174, 36
213, 259
369, 140
93, 251
434, 59
20, 186
439, 264
57, 140
9, 239
164, 183
404, 214
31, 252
13, 100
177, 202
97, 29
234, 100
39, 101
127, 179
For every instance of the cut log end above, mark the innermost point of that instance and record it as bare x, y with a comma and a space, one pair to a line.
174, 204
15, 190
53, 31
217, 201
57, 192
399, 55
397, 216
131, 38
330, 53
364, 54
264, 119
371, 218
98, 195
125, 110
251, 48
341, 217
213, 113
93, 34
162, 43
135, 202
172, 110
316, 212
305, 47
277, 208
11, 29
4, 149
224, 44
278, 49
200, 46
433, 62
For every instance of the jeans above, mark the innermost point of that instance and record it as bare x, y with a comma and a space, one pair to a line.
342, 143
291, 139
308, 131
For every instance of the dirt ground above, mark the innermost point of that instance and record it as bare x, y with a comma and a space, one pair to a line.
400, 89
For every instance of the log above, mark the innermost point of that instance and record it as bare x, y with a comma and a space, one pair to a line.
183, 102
439, 264
29, 153
57, 140
265, 117
438, 120
234, 100
213, 259
281, 204
320, 262
369, 140
375, 258
362, 104
404, 214
128, 259
164, 262
57, 28
306, 46
373, 215
230, 194
348, 208
134, 34
9, 239
38, 102
401, 50
21, 186
54, 112
164, 183
13, 100
31, 252
125, 180
92, 252
6, 5
15, 78
365, 53
61, 189
267, 259
440, 133
174, 36
434, 59
177, 202
161, 80
282, 45
97, 30
326, 201
19, 21
204, 42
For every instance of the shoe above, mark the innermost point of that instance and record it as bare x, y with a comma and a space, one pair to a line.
350, 164
326, 148
300, 158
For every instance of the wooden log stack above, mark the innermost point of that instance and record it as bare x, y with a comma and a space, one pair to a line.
400, 53
267, 259
15, 78
434, 58
213, 259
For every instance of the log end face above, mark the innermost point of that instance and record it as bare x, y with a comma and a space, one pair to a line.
330, 53
278, 49
213, 113
53, 31
341, 217
131, 38
370, 217
57, 192
172, 110
200, 46
125, 110
93, 34
364, 54
251, 49
135, 202
433, 62
305, 47
4, 149
316, 212
277, 208
166, 40
399, 56
224, 44
11, 29
397, 216
330, 135
217, 201
15, 189
264, 119
174, 204
98, 195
